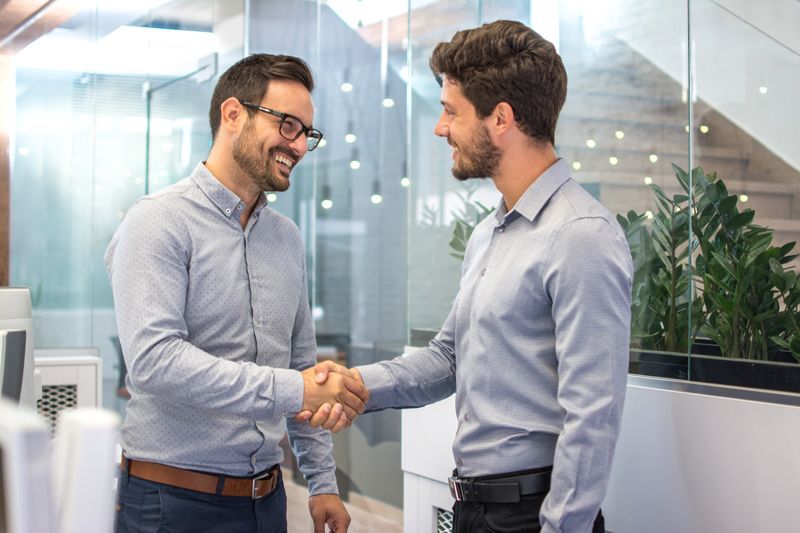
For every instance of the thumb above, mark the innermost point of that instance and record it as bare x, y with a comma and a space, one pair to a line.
321, 371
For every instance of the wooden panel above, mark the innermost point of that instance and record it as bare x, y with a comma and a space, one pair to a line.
14, 13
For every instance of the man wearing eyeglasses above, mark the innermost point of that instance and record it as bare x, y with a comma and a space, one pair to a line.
212, 309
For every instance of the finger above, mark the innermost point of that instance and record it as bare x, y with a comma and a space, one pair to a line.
320, 416
336, 412
303, 416
356, 386
352, 401
342, 423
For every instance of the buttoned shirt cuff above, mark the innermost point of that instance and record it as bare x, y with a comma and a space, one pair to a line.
380, 385
323, 483
288, 391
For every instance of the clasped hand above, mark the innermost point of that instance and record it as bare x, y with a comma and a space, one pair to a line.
333, 396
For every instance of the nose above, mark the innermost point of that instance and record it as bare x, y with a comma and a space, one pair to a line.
300, 146
441, 129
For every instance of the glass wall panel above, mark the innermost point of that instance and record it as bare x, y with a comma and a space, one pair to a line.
746, 73
82, 157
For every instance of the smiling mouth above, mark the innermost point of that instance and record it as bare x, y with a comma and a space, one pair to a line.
284, 163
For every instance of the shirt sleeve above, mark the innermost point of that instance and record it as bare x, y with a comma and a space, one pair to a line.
588, 277
148, 265
422, 377
313, 447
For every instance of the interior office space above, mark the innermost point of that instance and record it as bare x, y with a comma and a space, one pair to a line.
103, 102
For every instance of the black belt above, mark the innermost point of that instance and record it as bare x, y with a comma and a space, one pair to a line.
499, 490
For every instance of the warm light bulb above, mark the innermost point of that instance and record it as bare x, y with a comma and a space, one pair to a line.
590, 143
350, 138
271, 197
648, 180
653, 158
703, 128
743, 197
376, 198
613, 160
388, 102
347, 87
648, 214
576, 165
355, 164
619, 134
405, 182
326, 203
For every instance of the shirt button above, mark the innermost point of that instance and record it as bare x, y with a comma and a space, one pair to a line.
459, 462
256, 323
483, 272
239, 207
228, 211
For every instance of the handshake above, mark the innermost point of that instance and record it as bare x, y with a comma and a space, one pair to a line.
333, 396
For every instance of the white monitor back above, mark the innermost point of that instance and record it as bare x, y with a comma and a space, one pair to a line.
16, 313
84, 469
26, 498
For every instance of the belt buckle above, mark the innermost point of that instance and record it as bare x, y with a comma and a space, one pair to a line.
267, 475
454, 489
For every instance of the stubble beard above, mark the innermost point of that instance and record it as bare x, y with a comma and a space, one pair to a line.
247, 155
479, 158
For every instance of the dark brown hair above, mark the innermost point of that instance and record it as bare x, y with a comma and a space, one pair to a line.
248, 80
506, 61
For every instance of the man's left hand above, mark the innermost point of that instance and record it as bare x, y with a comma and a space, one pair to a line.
328, 509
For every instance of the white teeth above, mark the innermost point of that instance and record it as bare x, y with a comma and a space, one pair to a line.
285, 160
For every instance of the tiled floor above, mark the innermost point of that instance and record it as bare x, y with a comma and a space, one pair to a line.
364, 520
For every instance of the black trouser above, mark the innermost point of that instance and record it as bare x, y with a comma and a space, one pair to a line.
519, 517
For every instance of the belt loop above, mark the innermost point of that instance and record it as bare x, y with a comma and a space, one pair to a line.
220, 484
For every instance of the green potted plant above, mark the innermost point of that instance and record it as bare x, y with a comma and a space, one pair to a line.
707, 277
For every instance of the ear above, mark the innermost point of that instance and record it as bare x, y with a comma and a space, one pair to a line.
503, 117
232, 115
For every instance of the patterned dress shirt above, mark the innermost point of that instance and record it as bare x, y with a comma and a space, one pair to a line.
214, 321
535, 348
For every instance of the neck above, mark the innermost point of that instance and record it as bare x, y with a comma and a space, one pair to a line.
222, 165
519, 167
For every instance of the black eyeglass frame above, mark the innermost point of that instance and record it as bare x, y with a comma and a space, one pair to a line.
312, 134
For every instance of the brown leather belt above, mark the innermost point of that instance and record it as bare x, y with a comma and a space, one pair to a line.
254, 488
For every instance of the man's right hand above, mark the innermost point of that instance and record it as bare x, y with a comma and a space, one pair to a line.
322, 391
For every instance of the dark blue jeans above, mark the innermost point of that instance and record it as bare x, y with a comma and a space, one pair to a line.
147, 507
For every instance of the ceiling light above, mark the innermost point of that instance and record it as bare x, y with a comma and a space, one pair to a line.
762, 89
619, 134
405, 182
327, 203
347, 87
271, 197
743, 197
613, 160
350, 138
590, 143
653, 158
388, 102
576, 165
703, 128
648, 180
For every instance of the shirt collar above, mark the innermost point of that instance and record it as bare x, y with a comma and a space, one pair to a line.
537, 194
226, 201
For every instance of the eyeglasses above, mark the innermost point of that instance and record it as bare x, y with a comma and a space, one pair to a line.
291, 127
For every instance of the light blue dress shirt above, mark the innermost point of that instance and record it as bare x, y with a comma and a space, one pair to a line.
213, 320
535, 348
